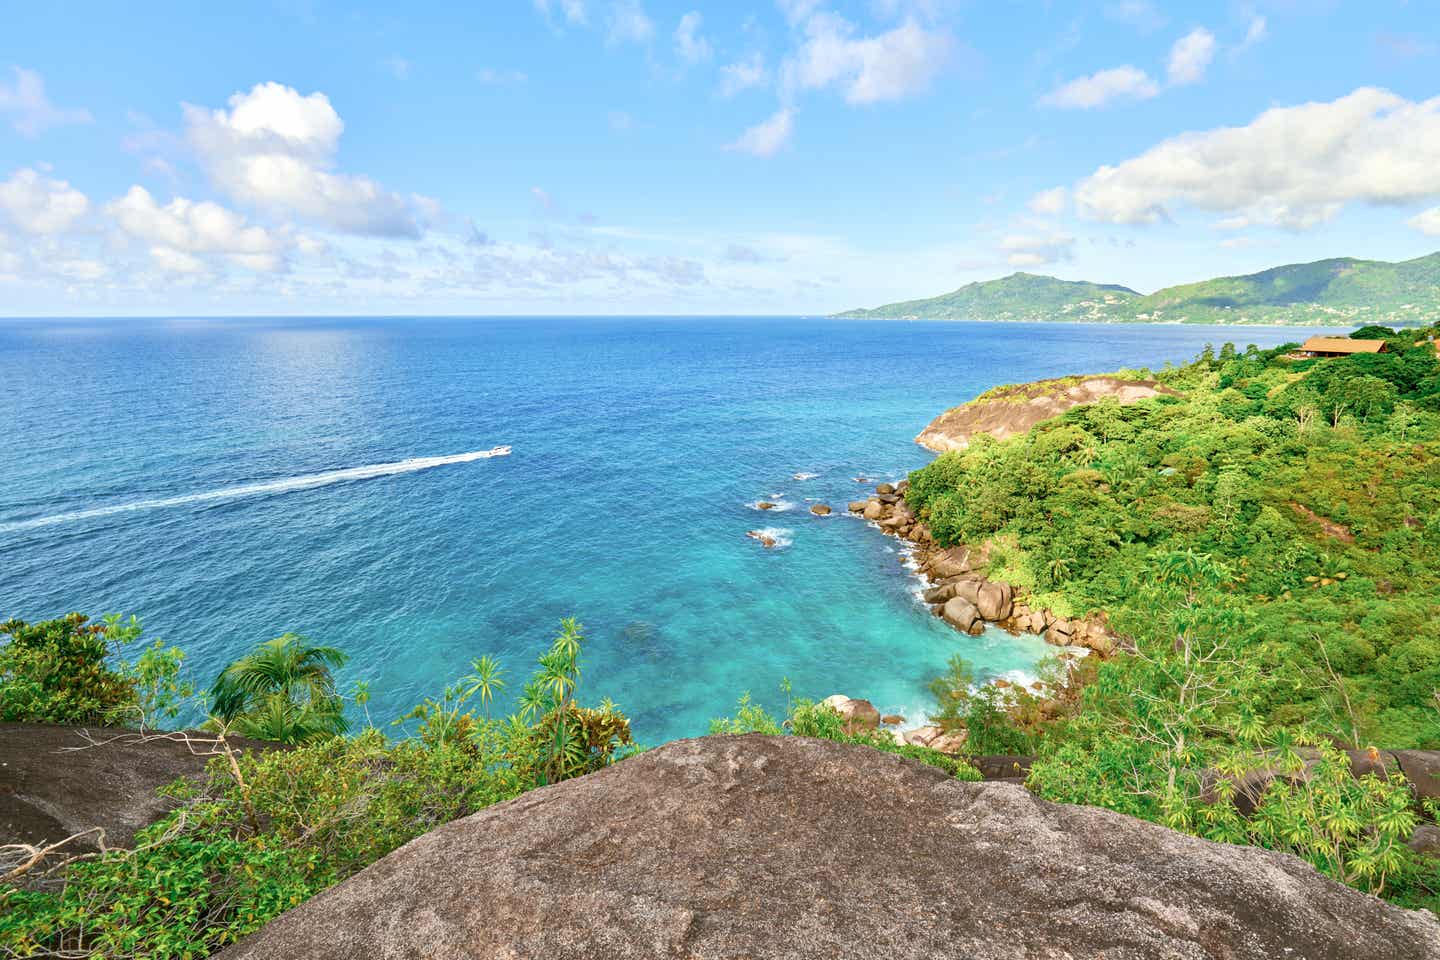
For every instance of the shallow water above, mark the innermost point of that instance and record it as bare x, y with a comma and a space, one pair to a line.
639, 449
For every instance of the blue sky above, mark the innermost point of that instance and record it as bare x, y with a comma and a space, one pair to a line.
639, 156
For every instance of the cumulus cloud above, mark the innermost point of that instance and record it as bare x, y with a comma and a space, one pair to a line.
31, 112
40, 205
183, 228
1292, 167
1191, 56
690, 46
1100, 88
1037, 249
274, 148
1050, 202
1427, 222
767, 137
743, 74
629, 24
887, 66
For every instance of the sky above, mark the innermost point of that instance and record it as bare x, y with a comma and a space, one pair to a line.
650, 157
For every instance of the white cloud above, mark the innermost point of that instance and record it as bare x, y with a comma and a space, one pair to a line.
1033, 250
1050, 202
743, 74
1427, 222
1257, 31
572, 10
31, 110
766, 138
38, 204
274, 149
1098, 89
178, 261
629, 24
1292, 167
887, 66
185, 228
689, 44
1191, 56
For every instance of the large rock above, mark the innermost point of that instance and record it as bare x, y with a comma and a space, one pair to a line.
55, 781
874, 509
994, 600
784, 847
951, 562
857, 506
1422, 769
820, 510
857, 714
961, 614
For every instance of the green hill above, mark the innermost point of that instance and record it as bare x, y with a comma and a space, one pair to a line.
1020, 296
1327, 292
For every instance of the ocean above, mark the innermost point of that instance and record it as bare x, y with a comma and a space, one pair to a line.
231, 480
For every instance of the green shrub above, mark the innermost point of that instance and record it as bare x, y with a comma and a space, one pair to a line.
69, 670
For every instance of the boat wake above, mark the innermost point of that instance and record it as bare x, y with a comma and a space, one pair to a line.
260, 489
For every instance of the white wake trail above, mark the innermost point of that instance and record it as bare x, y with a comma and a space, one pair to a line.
259, 489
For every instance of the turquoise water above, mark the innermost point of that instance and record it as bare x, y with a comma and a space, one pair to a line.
638, 446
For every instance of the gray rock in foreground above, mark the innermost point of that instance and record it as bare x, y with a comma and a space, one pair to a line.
765, 847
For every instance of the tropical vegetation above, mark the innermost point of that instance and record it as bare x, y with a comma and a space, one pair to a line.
1268, 543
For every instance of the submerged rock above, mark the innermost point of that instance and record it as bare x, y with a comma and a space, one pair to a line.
765, 539
765, 505
771, 847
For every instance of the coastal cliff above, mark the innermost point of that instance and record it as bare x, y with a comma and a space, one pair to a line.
1007, 411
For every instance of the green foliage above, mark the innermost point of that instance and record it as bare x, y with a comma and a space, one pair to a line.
70, 670
1267, 542
273, 828
283, 691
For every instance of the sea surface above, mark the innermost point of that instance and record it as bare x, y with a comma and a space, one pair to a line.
230, 480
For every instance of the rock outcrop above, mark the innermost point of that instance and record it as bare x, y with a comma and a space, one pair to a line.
55, 782
1007, 411
769, 847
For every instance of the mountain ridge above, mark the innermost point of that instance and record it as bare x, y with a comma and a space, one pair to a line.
1332, 292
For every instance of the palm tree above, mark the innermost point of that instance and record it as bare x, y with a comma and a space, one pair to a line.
484, 680
283, 691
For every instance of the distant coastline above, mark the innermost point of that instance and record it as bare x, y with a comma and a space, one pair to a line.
1343, 292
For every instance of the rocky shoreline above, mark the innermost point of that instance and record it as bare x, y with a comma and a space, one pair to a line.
963, 595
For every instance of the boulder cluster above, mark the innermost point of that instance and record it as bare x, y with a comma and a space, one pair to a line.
962, 594
861, 715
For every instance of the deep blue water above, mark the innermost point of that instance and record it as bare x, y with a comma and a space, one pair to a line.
638, 446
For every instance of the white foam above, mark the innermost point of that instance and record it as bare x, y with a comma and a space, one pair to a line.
805, 476
259, 489
778, 504
781, 535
